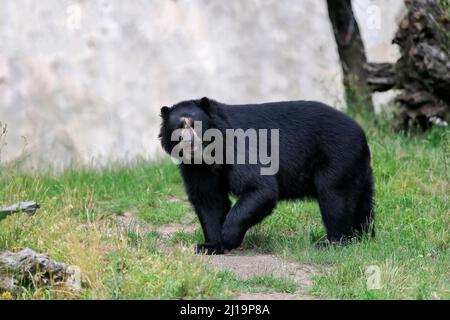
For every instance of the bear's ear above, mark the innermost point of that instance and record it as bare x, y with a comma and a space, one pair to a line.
204, 103
165, 111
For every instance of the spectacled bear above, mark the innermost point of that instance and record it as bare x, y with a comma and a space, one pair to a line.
323, 154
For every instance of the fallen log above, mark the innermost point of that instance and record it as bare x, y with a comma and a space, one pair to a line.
381, 76
28, 207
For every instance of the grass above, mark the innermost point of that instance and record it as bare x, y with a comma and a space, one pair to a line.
77, 224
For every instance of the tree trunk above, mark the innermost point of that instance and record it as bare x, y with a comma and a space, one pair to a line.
352, 55
423, 71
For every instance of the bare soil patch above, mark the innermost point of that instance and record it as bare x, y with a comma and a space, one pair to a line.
129, 222
274, 296
247, 267
241, 265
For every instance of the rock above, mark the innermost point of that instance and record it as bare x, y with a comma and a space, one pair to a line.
8, 285
28, 267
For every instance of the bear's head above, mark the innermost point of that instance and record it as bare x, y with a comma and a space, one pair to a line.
184, 123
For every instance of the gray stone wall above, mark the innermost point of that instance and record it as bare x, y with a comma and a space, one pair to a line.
82, 82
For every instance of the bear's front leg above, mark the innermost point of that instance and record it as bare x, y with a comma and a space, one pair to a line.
208, 194
251, 207
211, 209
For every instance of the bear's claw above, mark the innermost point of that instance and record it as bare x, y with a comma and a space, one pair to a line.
209, 249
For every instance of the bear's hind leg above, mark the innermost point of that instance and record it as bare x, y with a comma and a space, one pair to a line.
364, 213
337, 217
337, 206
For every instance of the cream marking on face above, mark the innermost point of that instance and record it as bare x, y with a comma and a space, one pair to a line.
188, 124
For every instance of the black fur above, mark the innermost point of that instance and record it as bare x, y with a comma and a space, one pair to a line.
323, 155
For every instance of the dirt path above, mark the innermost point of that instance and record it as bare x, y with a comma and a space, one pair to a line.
129, 222
241, 265
274, 296
250, 266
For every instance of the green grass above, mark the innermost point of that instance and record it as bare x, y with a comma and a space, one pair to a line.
77, 224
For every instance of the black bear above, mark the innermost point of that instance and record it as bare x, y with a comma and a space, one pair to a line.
322, 154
